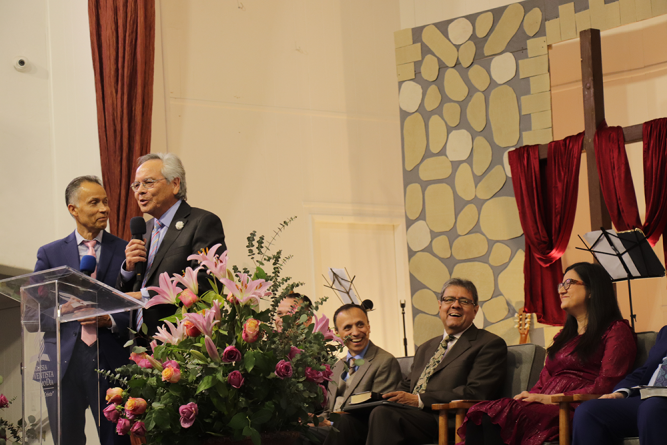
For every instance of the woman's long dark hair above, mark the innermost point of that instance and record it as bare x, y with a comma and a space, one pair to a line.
602, 311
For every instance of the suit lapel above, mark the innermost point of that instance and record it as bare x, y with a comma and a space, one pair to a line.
332, 387
172, 235
353, 381
461, 345
71, 252
108, 246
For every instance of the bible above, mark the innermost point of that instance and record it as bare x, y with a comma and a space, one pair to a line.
364, 397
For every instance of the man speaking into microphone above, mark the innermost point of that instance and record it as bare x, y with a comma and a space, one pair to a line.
175, 232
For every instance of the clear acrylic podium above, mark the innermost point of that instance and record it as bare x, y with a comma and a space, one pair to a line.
50, 300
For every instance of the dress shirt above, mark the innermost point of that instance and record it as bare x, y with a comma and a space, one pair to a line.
359, 356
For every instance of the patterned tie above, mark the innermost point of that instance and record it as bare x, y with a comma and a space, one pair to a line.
661, 379
432, 364
155, 240
89, 332
351, 367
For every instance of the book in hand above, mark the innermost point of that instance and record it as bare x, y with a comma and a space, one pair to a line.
651, 391
365, 397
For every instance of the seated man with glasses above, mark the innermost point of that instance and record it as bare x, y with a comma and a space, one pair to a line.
463, 363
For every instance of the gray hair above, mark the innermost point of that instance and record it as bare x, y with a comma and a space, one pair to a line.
460, 282
172, 168
72, 190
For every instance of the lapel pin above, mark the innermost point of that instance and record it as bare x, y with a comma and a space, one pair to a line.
179, 225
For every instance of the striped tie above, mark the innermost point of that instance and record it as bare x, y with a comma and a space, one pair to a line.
420, 387
155, 241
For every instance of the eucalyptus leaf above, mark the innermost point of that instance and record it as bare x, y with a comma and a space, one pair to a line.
139, 349
127, 343
144, 329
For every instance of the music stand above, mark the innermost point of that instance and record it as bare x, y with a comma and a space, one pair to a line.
625, 256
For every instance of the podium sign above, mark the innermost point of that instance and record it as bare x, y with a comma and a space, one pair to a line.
52, 303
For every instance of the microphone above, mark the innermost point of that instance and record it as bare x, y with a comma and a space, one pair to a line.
368, 304
138, 229
88, 265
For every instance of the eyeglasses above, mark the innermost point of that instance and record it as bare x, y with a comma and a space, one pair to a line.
565, 285
147, 183
462, 301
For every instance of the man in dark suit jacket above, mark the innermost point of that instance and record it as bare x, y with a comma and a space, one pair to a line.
623, 413
87, 203
175, 232
464, 363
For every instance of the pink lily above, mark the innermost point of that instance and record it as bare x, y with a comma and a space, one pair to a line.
203, 322
216, 265
189, 279
246, 291
174, 336
321, 325
167, 293
205, 254
216, 309
211, 349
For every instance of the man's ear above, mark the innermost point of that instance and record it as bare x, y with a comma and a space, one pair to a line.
72, 210
177, 185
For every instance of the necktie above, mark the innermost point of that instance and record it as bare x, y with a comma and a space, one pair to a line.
432, 364
89, 332
155, 240
351, 367
661, 379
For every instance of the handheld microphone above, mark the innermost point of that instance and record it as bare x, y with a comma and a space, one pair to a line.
138, 229
88, 265
368, 304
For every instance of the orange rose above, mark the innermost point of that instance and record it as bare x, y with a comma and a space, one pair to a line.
136, 406
114, 395
171, 375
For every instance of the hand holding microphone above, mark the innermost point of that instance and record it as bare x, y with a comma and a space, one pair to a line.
135, 252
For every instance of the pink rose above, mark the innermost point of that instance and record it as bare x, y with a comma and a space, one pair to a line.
327, 373
188, 298
123, 426
188, 414
4, 403
138, 429
136, 406
114, 395
293, 352
171, 375
284, 369
230, 355
141, 360
171, 364
313, 375
250, 330
235, 379
111, 413
325, 395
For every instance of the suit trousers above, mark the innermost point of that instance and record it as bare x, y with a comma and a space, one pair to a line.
608, 421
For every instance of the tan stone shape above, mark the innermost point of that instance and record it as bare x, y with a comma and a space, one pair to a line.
430, 68
506, 162
482, 155
459, 145
467, 53
429, 270
452, 113
465, 184
533, 66
643, 9
414, 139
499, 219
543, 136
511, 281
553, 31
492, 183
410, 96
568, 25
532, 22
507, 26
437, 133
467, 219
434, 168
426, 301
405, 71
403, 38
480, 274
459, 31
433, 98
658, 7
419, 236
407, 54
613, 15
598, 14
478, 321
440, 214
455, 87
503, 68
496, 309
479, 77
583, 20
414, 201
505, 329
470, 246
628, 11
441, 247
440, 46
534, 103
426, 327
504, 116
500, 254
483, 24
476, 111
537, 47
540, 120
540, 84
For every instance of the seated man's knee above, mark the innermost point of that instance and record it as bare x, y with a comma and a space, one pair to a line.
652, 410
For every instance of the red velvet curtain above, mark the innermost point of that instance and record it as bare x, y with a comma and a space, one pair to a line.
616, 180
547, 199
122, 34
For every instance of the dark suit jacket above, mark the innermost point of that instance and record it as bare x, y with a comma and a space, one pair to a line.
380, 373
201, 229
643, 374
65, 252
474, 369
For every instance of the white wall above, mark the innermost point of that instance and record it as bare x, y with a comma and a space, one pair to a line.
424, 12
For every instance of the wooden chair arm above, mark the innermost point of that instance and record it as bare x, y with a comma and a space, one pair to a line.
439, 406
463, 404
461, 407
564, 429
574, 398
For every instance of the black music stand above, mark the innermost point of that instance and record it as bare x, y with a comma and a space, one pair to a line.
625, 256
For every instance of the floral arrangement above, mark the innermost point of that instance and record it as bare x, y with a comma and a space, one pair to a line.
8, 431
221, 367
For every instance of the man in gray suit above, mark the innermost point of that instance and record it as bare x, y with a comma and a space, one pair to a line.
464, 363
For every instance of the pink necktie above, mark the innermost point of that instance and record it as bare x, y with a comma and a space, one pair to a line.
89, 332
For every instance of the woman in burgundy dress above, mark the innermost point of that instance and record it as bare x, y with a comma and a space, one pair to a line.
592, 353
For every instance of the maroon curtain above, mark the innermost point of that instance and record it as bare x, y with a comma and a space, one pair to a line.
547, 199
616, 180
122, 35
